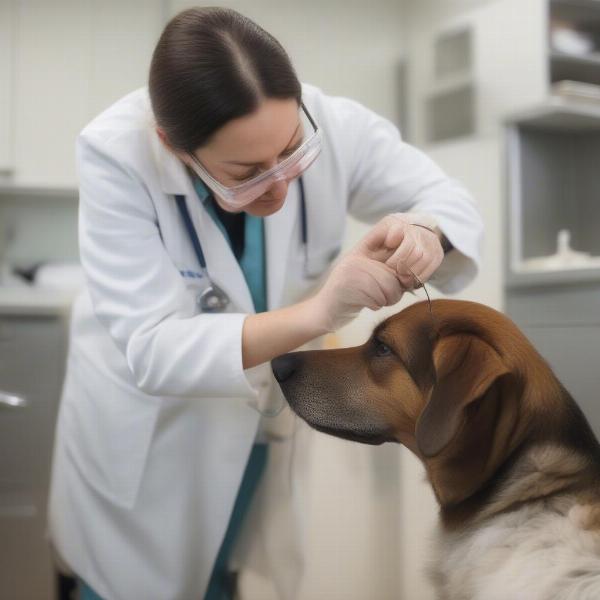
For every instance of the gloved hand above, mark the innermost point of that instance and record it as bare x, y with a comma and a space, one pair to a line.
375, 272
416, 245
355, 282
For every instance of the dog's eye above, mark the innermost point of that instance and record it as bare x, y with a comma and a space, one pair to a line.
382, 349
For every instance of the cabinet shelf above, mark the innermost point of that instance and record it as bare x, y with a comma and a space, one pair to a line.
559, 115
592, 59
11, 191
520, 279
576, 67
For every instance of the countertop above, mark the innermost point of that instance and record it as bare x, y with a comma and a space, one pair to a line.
37, 301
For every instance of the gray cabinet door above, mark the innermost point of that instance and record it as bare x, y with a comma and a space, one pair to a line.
31, 366
574, 354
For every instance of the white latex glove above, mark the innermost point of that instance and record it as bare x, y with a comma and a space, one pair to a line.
355, 282
374, 274
417, 248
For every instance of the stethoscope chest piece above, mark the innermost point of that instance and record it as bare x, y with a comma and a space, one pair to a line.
213, 299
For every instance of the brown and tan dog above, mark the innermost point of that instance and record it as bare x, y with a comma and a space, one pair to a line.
511, 458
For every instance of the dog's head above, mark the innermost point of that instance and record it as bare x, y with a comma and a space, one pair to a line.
460, 387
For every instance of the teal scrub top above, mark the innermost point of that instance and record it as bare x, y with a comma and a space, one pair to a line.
252, 261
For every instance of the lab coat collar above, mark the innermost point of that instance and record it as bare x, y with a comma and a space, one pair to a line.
172, 173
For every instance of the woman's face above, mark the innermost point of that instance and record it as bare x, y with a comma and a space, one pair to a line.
249, 145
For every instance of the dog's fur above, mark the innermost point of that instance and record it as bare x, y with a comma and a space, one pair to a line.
512, 460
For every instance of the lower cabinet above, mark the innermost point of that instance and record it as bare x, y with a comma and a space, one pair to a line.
563, 323
32, 359
574, 354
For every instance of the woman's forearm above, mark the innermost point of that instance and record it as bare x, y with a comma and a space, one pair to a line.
270, 334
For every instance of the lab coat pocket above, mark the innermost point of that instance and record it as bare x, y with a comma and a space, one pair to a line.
109, 433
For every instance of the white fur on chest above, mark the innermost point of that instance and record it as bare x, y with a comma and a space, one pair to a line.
538, 552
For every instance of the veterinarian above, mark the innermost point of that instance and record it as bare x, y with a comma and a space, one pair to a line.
212, 206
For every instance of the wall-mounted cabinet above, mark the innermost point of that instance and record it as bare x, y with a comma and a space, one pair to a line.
51, 89
71, 60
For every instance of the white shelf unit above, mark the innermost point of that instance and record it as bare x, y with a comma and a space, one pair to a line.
553, 183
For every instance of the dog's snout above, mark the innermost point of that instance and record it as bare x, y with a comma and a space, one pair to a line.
284, 366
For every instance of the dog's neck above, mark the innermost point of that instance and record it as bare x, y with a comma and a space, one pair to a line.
534, 473
551, 459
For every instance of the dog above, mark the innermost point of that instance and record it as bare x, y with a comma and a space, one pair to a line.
512, 460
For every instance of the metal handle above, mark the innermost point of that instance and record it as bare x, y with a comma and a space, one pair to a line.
12, 401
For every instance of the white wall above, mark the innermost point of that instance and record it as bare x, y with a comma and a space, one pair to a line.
347, 47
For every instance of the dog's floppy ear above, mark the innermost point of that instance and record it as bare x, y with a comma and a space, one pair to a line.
467, 369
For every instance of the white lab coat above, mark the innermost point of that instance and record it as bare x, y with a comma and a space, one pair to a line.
157, 418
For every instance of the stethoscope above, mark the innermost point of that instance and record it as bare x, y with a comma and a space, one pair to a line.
213, 299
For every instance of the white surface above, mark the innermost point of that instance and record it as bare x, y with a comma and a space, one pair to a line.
64, 276
40, 193
28, 300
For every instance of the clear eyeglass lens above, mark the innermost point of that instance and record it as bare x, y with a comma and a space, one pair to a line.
307, 131
289, 168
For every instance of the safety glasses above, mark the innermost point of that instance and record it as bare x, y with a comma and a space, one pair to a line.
291, 167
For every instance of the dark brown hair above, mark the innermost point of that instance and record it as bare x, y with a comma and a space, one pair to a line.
212, 65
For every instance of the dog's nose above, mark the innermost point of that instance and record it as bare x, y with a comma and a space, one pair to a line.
284, 366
